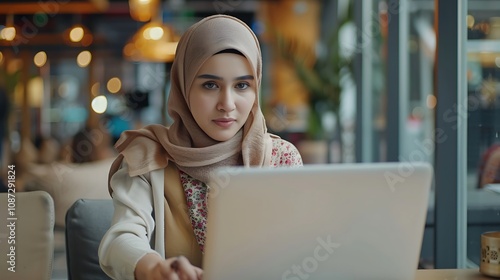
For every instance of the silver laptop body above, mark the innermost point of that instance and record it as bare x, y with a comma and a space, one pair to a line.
345, 221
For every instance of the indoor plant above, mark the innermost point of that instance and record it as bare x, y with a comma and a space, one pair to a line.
322, 76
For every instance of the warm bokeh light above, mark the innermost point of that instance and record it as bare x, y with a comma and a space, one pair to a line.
1, 58
154, 42
470, 21
35, 92
99, 104
76, 34
84, 58
153, 33
143, 10
40, 59
431, 101
8, 33
95, 89
114, 85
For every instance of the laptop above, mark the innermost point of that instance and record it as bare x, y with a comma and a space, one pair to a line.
345, 221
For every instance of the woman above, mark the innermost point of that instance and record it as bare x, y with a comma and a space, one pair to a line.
158, 180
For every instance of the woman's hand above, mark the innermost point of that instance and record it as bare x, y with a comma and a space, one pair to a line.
153, 267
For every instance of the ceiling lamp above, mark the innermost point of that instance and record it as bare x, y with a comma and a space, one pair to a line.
153, 42
143, 10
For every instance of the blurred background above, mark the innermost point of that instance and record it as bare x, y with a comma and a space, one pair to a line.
345, 81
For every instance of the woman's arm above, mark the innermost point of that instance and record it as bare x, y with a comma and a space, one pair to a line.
125, 251
128, 239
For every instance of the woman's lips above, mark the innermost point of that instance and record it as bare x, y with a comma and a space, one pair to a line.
223, 122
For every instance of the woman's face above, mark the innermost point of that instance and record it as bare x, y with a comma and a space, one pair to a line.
222, 95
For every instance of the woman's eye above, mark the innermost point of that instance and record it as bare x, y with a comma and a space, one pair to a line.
242, 85
210, 85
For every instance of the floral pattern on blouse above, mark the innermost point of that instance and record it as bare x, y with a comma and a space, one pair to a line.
283, 154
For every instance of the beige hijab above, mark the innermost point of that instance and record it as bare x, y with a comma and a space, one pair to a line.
184, 142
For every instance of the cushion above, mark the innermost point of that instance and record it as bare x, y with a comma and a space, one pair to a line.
86, 223
27, 244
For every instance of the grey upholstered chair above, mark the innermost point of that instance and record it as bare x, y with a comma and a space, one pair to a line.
86, 223
26, 235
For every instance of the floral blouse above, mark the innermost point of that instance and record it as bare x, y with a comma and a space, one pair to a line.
283, 154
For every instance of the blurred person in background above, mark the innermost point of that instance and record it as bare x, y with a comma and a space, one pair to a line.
489, 167
81, 171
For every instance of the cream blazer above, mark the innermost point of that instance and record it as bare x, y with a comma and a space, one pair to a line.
148, 218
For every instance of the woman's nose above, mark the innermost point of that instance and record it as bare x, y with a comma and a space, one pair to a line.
226, 101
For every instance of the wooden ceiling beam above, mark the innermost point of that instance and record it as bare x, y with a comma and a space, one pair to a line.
103, 5
54, 7
45, 40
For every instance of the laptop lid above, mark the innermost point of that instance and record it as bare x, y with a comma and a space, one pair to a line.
347, 221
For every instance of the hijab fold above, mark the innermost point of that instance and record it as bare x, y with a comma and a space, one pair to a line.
184, 142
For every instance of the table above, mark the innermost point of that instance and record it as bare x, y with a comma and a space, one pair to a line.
450, 274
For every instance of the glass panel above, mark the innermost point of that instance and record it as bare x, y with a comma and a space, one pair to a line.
417, 141
418, 124
483, 123
373, 90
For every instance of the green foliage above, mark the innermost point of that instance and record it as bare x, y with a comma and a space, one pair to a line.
322, 78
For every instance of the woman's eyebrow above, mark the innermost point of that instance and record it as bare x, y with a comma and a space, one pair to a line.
214, 77
210, 77
245, 77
